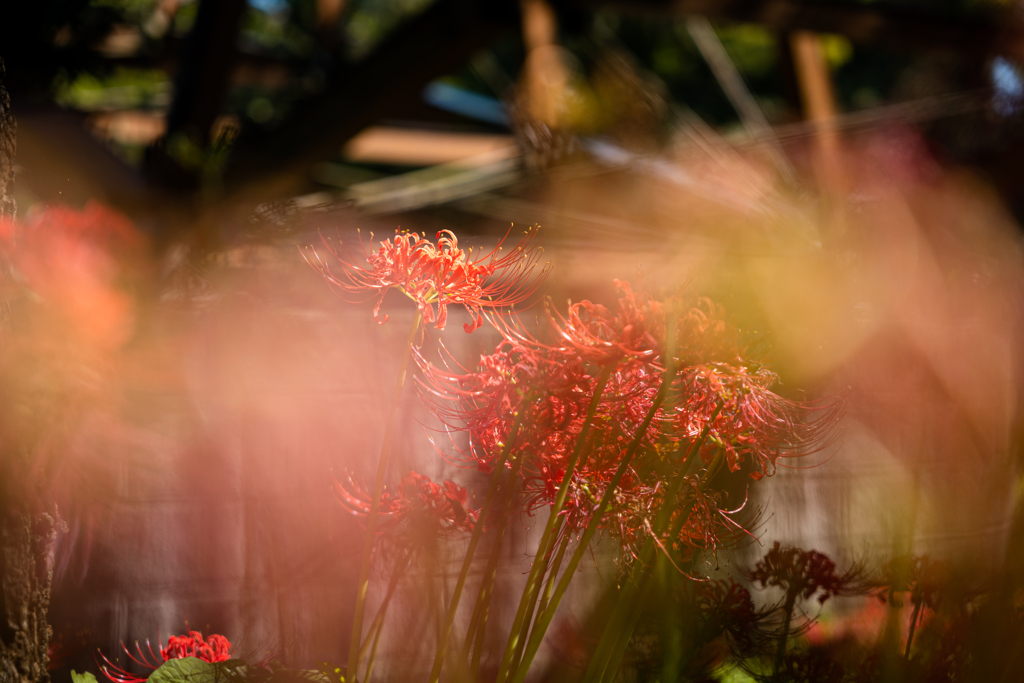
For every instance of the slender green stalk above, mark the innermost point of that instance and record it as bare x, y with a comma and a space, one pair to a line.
547, 537
479, 616
780, 651
483, 598
377, 627
467, 563
636, 610
371, 637
482, 607
544, 620
624, 631
616, 626
671, 628
378, 620
913, 627
481, 630
373, 656
553, 574
524, 630
535, 596
613, 630
378, 488
685, 662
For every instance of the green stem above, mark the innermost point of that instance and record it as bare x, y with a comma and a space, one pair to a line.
546, 538
479, 618
913, 627
467, 563
780, 651
482, 608
378, 488
373, 655
378, 620
481, 630
642, 582
618, 625
636, 610
553, 574
685, 662
648, 558
544, 620
483, 598
535, 596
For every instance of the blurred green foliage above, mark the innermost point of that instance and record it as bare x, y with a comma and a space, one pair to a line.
368, 21
276, 33
122, 88
130, 10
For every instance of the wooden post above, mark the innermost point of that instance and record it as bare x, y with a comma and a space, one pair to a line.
544, 77
819, 105
328, 17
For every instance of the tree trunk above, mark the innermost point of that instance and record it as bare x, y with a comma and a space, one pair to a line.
26, 568
26, 536
8, 130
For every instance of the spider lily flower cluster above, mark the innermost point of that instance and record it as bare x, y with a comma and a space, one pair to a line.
215, 648
623, 421
711, 622
434, 276
437, 275
420, 505
804, 573
542, 390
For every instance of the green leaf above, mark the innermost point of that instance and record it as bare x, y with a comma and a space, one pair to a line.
85, 677
187, 670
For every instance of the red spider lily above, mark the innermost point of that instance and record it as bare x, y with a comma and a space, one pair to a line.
806, 572
441, 274
548, 386
726, 608
924, 578
698, 518
803, 573
442, 508
216, 648
548, 390
515, 377
637, 330
753, 425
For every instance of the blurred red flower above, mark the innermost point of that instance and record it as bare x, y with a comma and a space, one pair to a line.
426, 505
75, 262
805, 573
